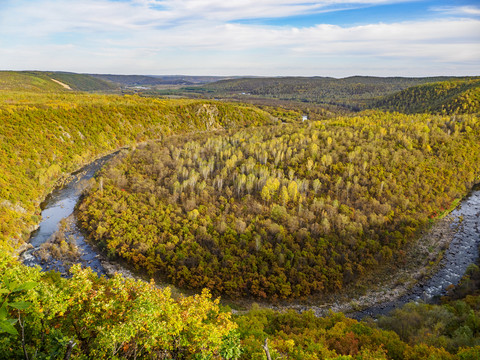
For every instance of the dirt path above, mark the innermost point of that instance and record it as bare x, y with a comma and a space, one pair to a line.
60, 83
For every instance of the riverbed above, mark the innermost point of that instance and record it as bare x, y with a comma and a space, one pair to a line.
60, 205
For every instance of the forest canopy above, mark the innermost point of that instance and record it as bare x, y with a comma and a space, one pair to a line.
285, 211
447, 97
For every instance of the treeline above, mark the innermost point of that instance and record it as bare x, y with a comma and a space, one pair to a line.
43, 136
448, 97
286, 211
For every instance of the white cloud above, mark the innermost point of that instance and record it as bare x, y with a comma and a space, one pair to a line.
196, 36
406, 38
222, 10
458, 10
104, 15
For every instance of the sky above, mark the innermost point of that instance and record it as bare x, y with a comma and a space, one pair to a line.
336, 38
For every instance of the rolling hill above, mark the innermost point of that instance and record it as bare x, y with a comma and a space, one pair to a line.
353, 91
154, 80
451, 97
44, 81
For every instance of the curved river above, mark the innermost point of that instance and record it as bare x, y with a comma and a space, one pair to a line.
463, 249
59, 205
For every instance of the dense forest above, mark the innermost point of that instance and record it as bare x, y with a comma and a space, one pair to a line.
351, 190
285, 211
450, 97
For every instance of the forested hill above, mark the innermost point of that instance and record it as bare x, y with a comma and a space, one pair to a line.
44, 135
409, 95
451, 97
351, 91
283, 211
48, 81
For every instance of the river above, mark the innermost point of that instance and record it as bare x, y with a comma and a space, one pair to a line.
60, 204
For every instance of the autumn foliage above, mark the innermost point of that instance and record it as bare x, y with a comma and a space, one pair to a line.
285, 211
44, 136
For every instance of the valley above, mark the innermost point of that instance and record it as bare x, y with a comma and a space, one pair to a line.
287, 206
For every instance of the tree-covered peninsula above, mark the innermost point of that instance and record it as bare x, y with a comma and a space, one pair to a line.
283, 211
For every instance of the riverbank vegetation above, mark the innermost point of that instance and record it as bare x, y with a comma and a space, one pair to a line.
286, 211
305, 336
452, 324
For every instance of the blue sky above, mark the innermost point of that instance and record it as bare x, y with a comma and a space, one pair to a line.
242, 37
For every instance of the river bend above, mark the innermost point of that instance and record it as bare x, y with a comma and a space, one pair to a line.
462, 251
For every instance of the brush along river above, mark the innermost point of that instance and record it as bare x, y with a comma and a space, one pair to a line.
458, 234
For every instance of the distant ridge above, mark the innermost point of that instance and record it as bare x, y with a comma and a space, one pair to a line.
440, 94
41, 81
152, 80
450, 97
353, 92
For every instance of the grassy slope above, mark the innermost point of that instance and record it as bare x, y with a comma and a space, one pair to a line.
43, 136
82, 82
24, 81
40, 81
